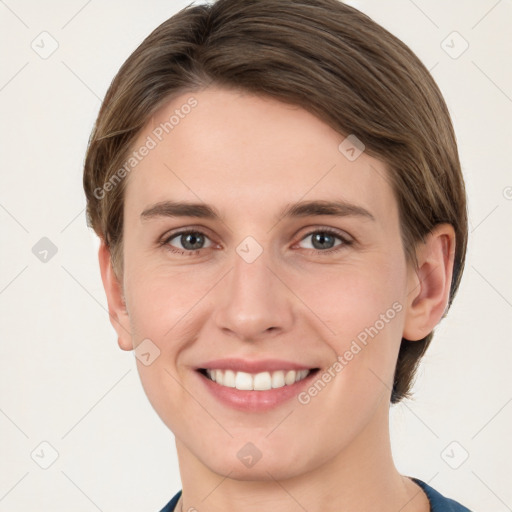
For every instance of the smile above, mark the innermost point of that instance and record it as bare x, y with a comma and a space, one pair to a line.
262, 381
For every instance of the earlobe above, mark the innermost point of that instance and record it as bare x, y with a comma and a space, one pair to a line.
429, 285
118, 313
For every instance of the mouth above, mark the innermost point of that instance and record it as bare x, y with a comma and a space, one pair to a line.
261, 381
254, 385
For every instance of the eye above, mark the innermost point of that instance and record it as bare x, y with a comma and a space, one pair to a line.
188, 241
191, 242
324, 240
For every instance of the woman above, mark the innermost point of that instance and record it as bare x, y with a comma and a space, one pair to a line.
282, 215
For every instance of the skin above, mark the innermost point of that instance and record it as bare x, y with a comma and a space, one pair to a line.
250, 156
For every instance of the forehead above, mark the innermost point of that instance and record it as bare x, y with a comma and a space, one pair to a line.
252, 153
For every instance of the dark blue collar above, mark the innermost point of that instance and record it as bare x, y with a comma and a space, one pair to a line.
438, 502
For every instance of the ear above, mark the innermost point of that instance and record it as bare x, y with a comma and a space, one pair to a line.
429, 284
118, 313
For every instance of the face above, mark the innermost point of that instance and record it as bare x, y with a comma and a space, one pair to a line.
264, 276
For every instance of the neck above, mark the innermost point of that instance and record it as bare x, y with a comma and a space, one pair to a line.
360, 476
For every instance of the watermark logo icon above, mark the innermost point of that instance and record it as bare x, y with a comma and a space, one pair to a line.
249, 455
146, 352
351, 147
454, 45
44, 250
44, 455
454, 455
249, 249
44, 45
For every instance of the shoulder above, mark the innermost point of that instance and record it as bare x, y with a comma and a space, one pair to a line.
170, 506
438, 502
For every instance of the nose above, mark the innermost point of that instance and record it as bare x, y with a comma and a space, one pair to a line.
254, 302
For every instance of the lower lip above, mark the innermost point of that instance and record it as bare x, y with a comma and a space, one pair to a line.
255, 401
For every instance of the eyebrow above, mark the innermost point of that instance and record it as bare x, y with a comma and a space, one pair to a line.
302, 209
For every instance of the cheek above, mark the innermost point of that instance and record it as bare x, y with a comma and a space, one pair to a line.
351, 298
164, 307
360, 312
162, 301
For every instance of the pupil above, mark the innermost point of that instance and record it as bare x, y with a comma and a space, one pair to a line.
321, 238
190, 241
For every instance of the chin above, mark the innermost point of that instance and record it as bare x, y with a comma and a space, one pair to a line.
250, 464
261, 471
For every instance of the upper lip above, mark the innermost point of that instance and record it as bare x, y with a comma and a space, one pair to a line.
253, 366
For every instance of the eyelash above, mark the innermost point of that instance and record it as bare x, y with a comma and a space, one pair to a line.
345, 241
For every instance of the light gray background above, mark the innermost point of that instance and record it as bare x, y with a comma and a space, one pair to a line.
63, 379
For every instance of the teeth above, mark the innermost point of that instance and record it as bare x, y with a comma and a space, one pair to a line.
243, 380
290, 378
278, 380
257, 382
262, 381
229, 378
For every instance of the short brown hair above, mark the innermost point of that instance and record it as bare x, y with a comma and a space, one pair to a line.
322, 55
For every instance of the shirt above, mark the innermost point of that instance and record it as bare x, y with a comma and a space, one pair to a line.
438, 502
